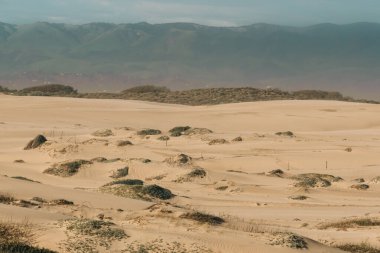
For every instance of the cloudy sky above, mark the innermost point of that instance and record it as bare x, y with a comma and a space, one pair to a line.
209, 12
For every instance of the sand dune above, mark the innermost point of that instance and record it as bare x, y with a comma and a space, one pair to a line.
336, 138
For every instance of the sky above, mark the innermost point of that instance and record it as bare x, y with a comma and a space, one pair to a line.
207, 12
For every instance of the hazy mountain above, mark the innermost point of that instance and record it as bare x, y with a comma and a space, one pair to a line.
101, 56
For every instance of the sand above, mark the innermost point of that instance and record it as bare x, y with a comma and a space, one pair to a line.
255, 206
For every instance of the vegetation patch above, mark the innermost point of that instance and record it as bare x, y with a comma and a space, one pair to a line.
137, 191
275, 173
103, 133
237, 139
86, 235
197, 172
60, 202
149, 132
99, 228
361, 187
163, 138
161, 246
6, 198
197, 131
119, 173
179, 160
218, 142
312, 180
18, 238
358, 248
203, 218
287, 134
178, 131
126, 182
36, 142
48, 90
67, 169
124, 143
298, 197
351, 223
289, 240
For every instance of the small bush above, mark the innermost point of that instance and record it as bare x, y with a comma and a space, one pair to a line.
163, 138
218, 141
67, 169
287, 133
61, 202
179, 160
298, 197
361, 187
275, 173
149, 132
237, 139
36, 142
147, 89
124, 143
203, 218
103, 133
158, 192
6, 198
19, 161
178, 131
123, 172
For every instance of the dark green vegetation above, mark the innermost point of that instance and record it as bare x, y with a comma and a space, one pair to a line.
337, 57
203, 218
67, 169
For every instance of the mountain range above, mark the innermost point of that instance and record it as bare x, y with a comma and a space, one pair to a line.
113, 57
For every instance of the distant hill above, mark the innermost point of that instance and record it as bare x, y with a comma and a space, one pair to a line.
99, 56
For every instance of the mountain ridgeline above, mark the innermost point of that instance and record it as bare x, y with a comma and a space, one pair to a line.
111, 57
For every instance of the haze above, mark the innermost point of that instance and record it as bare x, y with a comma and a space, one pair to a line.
211, 12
